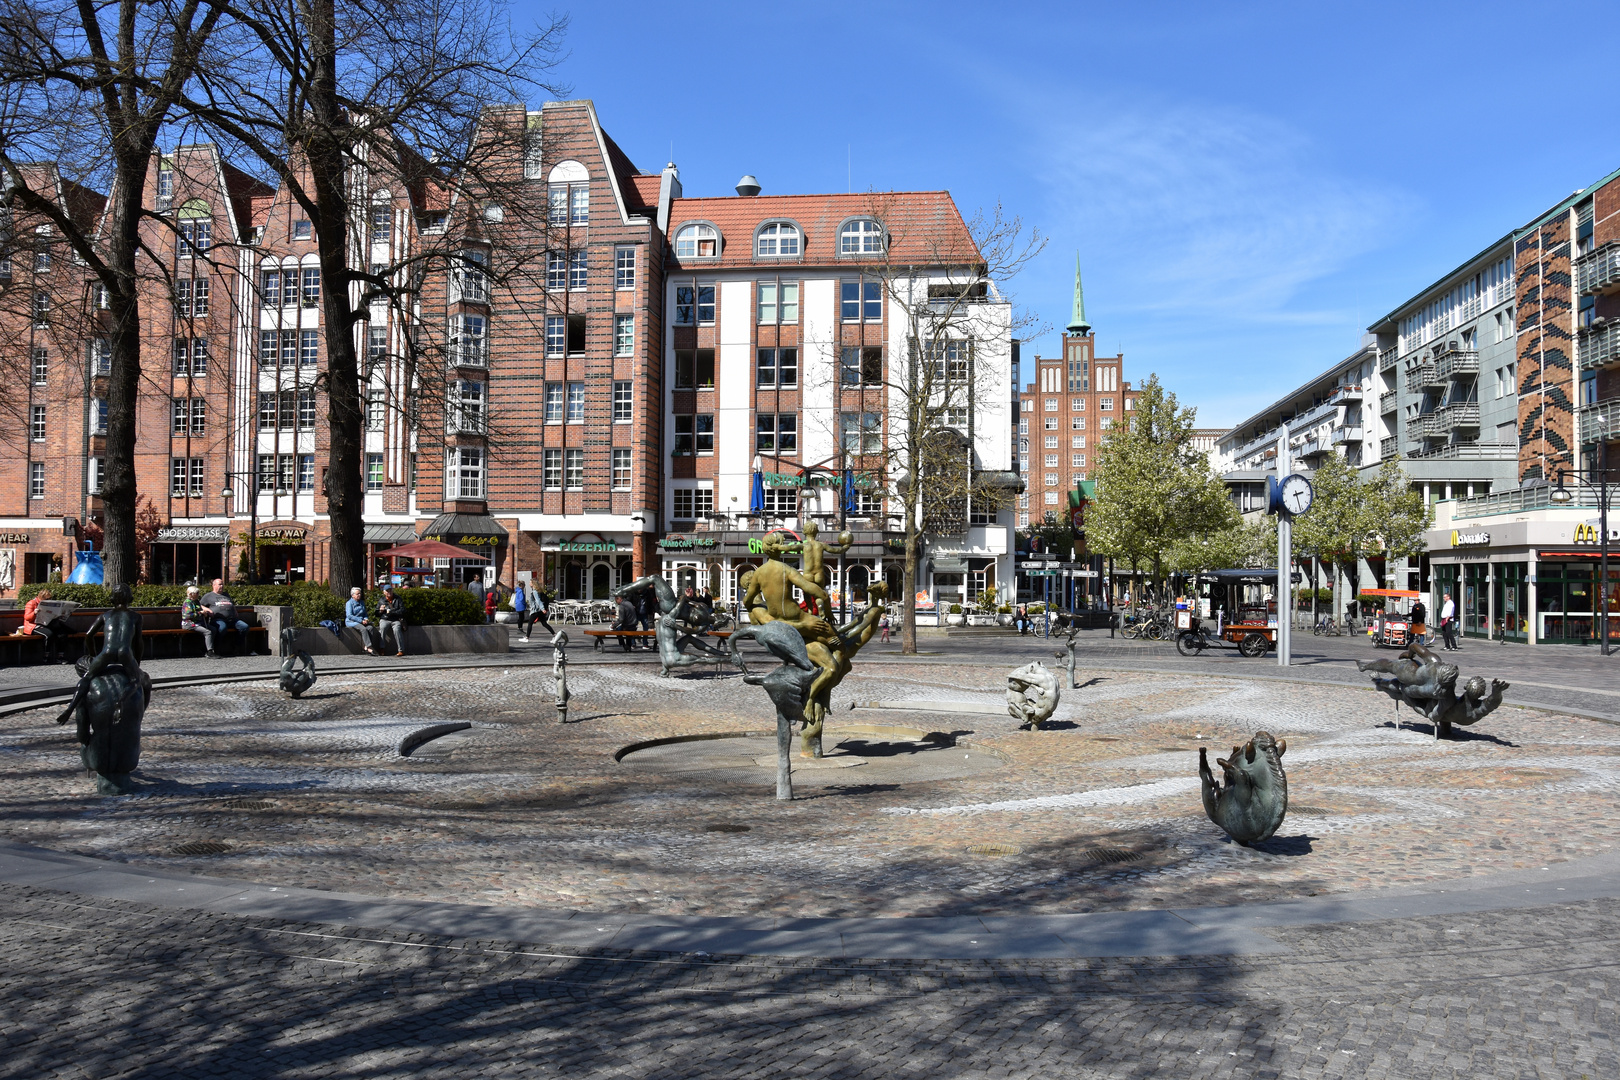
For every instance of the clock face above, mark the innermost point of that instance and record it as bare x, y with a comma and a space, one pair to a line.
1296, 494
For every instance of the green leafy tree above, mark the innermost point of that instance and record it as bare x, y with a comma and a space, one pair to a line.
1341, 518
1399, 514
1156, 492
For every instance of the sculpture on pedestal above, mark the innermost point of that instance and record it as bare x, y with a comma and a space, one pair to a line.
680, 626
1427, 684
788, 687
769, 599
1032, 695
559, 670
111, 699
1252, 802
298, 670
1067, 656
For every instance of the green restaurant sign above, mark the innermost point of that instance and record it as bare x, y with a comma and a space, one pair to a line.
815, 480
679, 542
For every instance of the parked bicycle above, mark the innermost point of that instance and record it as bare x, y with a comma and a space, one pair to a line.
1327, 627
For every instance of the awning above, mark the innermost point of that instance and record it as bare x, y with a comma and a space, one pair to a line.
389, 534
948, 564
466, 530
1000, 478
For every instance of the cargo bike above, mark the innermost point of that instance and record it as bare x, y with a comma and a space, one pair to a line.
1244, 618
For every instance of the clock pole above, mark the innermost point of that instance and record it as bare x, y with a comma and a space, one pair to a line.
1285, 549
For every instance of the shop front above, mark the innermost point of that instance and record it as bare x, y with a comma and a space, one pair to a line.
483, 538
585, 566
31, 550
718, 560
283, 552
189, 554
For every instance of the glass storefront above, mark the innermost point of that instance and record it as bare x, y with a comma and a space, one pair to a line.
1473, 603
1568, 602
1509, 596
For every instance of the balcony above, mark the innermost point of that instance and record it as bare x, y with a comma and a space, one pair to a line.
1388, 448
1468, 451
1598, 272
1421, 377
471, 354
1347, 434
1344, 395
1386, 401
1601, 422
1599, 346
1387, 359
1449, 418
466, 422
1426, 426
1455, 362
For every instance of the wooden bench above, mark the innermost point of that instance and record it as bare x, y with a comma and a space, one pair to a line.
598, 635
161, 635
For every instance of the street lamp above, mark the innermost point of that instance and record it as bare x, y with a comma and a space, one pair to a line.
250, 483
1563, 497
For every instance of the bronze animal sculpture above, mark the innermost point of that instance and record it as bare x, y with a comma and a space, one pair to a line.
1032, 695
111, 699
1252, 802
1427, 684
298, 670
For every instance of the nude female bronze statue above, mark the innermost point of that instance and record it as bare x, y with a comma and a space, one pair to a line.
111, 699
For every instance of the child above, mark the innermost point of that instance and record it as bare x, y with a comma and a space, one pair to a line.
884, 626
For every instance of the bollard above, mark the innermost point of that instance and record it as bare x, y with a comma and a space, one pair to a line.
559, 669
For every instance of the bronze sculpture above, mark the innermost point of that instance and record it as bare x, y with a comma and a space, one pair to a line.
111, 699
680, 625
788, 686
1427, 684
768, 599
1032, 695
298, 670
1251, 804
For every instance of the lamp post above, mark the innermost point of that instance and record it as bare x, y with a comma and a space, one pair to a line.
250, 482
1563, 497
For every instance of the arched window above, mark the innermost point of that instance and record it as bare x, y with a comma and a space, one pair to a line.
863, 236
777, 238
697, 242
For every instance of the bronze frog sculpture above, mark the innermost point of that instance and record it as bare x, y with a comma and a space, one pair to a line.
1251, 803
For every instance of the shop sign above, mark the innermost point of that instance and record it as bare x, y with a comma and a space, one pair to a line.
756, 544
190, 534
14, 538
461, 540
1479, 538
579, 545
677, 541
814, 480
283, 532
1585, 533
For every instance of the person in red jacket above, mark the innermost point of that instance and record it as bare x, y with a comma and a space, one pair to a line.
51, 632
491, 598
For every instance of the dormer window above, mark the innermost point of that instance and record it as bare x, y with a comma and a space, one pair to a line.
863, 236
697, 242
777, 238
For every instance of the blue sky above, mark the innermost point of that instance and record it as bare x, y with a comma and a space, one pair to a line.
1248, 185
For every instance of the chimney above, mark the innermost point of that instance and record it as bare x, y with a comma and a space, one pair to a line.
669, 189
748, 186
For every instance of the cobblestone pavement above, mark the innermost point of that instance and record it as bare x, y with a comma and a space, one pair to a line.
113, 988
1101, 813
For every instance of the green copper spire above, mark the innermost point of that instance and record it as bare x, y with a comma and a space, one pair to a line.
1077, 320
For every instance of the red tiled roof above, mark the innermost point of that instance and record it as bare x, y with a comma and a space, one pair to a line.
925, 227
642, 192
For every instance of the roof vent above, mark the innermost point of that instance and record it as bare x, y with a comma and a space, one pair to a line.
748, 185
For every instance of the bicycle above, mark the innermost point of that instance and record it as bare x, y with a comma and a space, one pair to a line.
1327, 627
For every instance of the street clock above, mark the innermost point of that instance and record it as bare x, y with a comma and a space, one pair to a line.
1291, 495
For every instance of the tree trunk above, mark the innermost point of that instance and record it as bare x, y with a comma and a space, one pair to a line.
908, 579
329, 177
121, 556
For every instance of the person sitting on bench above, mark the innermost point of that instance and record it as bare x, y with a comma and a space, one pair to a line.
223, 610
53, 630
193, 616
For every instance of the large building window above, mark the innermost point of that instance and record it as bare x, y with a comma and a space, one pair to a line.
694, 434
781, 502
573, 470
692, 502
778, 302
309, 348
306, 410
374, 472
189, 416
694, 369
576, 402
697, 242
556, 271
186, 476
624, 335
472, 277
621, 469
41, 365
694, 305
862, 433
579, 269
554, 403
861, 365
311, 295
778, 238
556, 335
622, 402
624, 267
306, 473
469, 343
382, 223
551, 470
376, 408
466, 472
36, 480
467, 407
776, 433
270, 288
36, 423
777, 369
861, 301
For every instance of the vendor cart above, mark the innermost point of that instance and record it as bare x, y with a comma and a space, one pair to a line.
1244, 617
1390, 628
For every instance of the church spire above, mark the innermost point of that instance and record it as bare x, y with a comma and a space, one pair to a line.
1077, 319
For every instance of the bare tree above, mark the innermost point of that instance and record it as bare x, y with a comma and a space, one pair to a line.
338, 99
88, 88
942, 281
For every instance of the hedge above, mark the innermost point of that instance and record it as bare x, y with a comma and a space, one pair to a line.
312, 602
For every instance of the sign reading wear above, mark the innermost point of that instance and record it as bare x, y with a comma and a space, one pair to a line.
14, 538
1461, 538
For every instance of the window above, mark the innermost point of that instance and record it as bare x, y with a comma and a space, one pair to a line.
472, 277
42, 306
306, 473
195, 234
469, 347
862, 432
556, 270
554, 403
576, 334
694, 434
573, 470
191, 297
1051, 404
579, 204
100, 356
980, 514
1051, 461
778, 302
956, 417
1077, 423
622, 406
624, 335
42, 365
781, 502
382, 223
1051, 442
624, 267
949, 359
277, 472
186, 477
556, 334
861, 365
311, 294
776, 433
270, 288
309, 348
191, 356
576, 401
690, 502
1105, 423
1077, 461
374, 472
861, 300
1051, 479
777, 368
165, 187
694, 369
694, 303
189, 416
376, 408
36, 480
267, 410
778, 238
376, 343
868, 503
301, 230
199, 297
621, 469
1106, 404
551, 470
863, 237
36, 423
95, 474
697, 242
466, 472
1130, 404
306, 410
578, 269
1078, 442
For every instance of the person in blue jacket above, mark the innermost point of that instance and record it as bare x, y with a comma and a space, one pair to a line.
354, 614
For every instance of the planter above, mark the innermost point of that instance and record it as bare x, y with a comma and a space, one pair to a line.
981, 620
955, 620
1004, 620
506, 616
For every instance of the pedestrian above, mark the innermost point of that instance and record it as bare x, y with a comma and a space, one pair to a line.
391, 618
1021, 620
193, 617
52, 631
646, 614
520, 606
1420, 621
540, 608
491, 599
1448, 623
354, 615
223, 610
883, 625
627, 621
